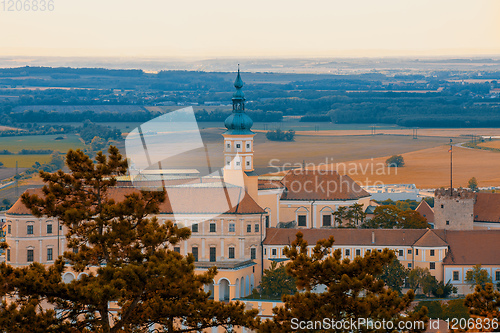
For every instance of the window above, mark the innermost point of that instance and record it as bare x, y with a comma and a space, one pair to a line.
401, 253
248, 163
8, 254
253, 253
194, 251
267, 221
49, 228
265, 251
416, 252
194, 227
456, 275
409, 251
347, 252
447, 222
213, 254
232, 227
177, 249
228, 146
60, 227
30, 256
442, 206
237, 163
369, 251
49, 254
75, 250
358, 252
30, 229
432, 265
213, 227
302, 220
273, 252
238, 146
327, 220
497, 275
249, 228
409, 265
248, 146
256, 228
231, 253
379, 250
432, 253
9, 229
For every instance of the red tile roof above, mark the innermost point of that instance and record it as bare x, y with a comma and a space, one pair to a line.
310, 184
426, 211
473, 247
466, 247
430, 239
487, 207
189, 200
382, 237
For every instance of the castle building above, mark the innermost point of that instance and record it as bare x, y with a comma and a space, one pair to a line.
462, 209
241, 238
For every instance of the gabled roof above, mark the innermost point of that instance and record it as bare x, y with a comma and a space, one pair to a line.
208, 199
430, 239
466, 247
426, 211
487, 207
382, 237
327, 185
472, 247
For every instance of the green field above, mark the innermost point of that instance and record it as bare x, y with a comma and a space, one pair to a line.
17, 143
24, 161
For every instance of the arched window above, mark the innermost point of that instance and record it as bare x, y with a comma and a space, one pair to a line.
302, 217
326, 217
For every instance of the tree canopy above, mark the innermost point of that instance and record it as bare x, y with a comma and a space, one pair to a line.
134, 278
352, 288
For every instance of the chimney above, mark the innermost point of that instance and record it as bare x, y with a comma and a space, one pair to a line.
373, 237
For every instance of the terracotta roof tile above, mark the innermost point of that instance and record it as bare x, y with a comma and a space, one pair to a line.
487, 207
472, 247
383, 237
310, 184
430, 239
189, 200
426, 211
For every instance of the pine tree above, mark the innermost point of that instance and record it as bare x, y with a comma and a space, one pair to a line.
352, 289
135, 280
484, 302
276, 282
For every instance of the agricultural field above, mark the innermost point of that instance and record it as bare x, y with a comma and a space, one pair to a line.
490, 144
430, 168
17, 143
24, 161
9, 172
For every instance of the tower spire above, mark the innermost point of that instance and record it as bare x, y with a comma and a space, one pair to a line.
238, 96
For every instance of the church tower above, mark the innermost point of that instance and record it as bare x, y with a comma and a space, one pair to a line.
238, 143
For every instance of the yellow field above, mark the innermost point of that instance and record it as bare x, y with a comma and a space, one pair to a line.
24, 161
430, 168
490, 144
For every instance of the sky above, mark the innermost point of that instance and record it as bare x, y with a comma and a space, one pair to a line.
257, 28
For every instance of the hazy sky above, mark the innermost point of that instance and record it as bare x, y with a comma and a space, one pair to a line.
268, 28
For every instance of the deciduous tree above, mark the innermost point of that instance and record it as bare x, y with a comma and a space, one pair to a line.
477, 276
